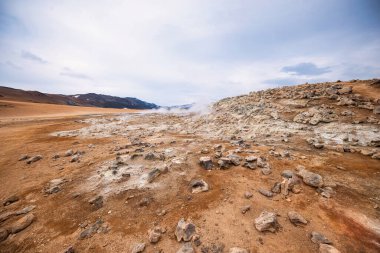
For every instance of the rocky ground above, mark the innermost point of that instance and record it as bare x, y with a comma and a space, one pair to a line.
293, 169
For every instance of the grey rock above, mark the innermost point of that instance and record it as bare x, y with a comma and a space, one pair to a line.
266, 193
23, 157
287, 173
238, 250
245, 209
21, 224
152, 175
266, 170
154, 235
69, 152
325, 248
206, 162
234, 159
54, 185
11, 200
96, 202
248, 195
317, 237
296, 218
25, 210
267, 221
138, 248
310, 178
34, 159
198, 185
184, 230
224, 163
186, 248
276, 187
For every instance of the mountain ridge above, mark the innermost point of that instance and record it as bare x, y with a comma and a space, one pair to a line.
87, 99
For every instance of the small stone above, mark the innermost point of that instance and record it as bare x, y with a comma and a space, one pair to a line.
138, 248
69, 152
325, 248
154, 235
96, 202
75, 158
145, 202
296, 218
245, 209
70, 249
34, 159
186, 248
11, 200
266, 193
224, 163
25, 210
251, 159
266, 171
206, 162
319, 238
23, 157
22, 223
238, 250
198, 185
287, 173
276, 187
248, 195
267, 221
184, 230
152, 175
310, 178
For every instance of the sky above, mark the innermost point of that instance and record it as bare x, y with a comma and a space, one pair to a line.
173, 52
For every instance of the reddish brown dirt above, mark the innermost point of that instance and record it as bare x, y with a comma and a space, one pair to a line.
216, 213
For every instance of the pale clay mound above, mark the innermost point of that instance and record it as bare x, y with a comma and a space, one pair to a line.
293, 169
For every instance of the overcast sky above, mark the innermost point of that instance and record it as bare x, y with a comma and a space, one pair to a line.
183, 51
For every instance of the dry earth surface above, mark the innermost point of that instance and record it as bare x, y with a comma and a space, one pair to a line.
293, 169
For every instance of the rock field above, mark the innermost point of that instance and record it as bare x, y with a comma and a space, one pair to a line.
291, 169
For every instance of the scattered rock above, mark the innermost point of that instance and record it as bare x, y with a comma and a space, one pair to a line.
70, 249
206, 162
245, 209
267, 221
296, 218
23, 157
266, 193
184, 230
248, 195
325, 248
186, 248
75, 158
310, 178
238, 250
96, 227
54, 185
287, 173
276, 187
138, 248
21, 224
96, 202
224, 163
69, 152
34, 159
214, 248
25, 210
198, 185
154, 235
317, 237
152, 175
11, 200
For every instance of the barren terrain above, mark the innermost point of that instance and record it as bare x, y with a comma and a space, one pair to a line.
293, 169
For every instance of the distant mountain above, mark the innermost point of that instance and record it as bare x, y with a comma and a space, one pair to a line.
90, 99
178, 107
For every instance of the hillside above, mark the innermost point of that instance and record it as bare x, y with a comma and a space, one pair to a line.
90, 99
291, 169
